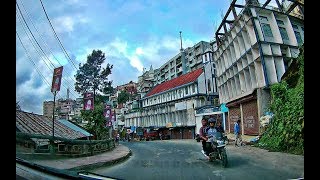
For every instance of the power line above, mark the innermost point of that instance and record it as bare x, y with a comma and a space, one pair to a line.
32, 33
38, 45
40, 56
29, 16
65, 52
33, 43
43, 39
29, 57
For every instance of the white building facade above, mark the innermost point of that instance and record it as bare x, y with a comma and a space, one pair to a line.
252, 54
171, 105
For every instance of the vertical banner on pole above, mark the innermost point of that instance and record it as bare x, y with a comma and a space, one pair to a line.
55, 86
107, 113
56, 80
88, 101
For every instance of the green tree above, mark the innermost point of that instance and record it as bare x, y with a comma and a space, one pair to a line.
96, 121
91, 76
123, 97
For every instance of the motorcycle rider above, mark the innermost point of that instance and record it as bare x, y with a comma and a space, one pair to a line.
219, 127
212, 132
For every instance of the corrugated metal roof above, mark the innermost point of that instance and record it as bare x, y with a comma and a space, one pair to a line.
74, 127
179, 81
39, 124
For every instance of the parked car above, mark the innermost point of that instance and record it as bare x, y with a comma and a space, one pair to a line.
151, 135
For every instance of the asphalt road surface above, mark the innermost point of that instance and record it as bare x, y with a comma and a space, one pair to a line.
182, 159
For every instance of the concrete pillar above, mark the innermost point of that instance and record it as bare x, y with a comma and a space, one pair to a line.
263, 100
242, 128
224, 121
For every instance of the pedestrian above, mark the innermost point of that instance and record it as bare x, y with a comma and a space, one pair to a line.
117, 139
237, 134
160, 135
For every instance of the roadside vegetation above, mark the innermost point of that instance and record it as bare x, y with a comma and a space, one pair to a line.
285, 132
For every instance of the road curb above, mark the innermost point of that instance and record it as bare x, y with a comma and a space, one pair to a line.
100, 164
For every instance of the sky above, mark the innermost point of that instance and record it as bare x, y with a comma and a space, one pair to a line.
133, 35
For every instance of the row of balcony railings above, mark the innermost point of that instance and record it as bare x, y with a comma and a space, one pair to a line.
28, 145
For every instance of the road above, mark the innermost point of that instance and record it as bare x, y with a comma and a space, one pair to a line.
182, 159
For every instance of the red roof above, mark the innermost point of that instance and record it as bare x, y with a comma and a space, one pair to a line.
179, 81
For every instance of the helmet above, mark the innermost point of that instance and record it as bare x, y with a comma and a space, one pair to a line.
211, 120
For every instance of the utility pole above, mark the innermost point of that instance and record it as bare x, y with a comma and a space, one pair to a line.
181, 42
54, 105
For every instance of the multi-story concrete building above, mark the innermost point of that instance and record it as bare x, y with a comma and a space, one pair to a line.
254, 49
48, 108
130, 87
65, 108
186, 61
145, 82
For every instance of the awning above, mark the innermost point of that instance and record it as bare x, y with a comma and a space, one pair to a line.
211, 113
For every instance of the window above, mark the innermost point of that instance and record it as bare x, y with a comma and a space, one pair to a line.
298, 37
295, 26
194, 88
180, 93
266, 30
283, 33
209, 85
280, 22
263, 18
186, 89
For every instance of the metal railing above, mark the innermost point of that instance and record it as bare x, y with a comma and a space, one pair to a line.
45, 144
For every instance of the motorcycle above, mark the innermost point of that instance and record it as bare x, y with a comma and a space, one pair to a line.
226, 140
216, 150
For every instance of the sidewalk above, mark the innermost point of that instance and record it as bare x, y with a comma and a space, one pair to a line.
245, 138
119, 153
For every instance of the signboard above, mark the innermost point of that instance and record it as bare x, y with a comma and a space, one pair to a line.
88, 101
168, 125
56, 80
224, 108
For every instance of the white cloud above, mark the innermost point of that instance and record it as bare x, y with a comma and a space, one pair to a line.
63, 24
139, 51
68, 23
135, 62
151, 52
119, 45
